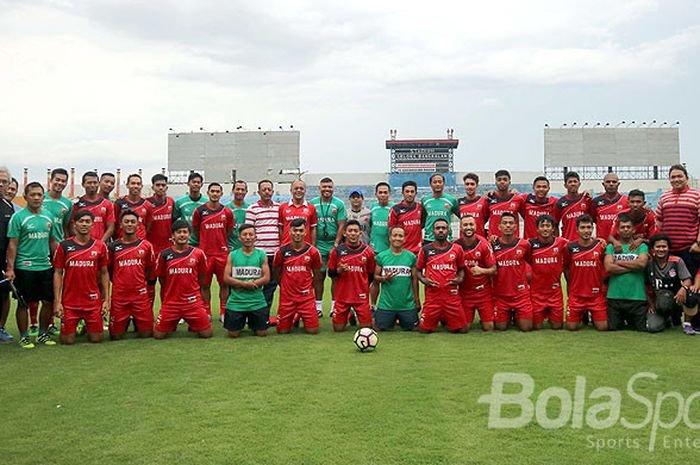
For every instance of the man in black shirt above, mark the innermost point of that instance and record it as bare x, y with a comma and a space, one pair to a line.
6, 211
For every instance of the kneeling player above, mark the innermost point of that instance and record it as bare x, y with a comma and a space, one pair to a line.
511, 288
246, 273
181, 269
583, 262
81, 281
295, 265
396, 273
441, 269
351, 265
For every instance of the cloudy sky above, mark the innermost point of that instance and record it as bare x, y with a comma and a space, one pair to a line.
98, 83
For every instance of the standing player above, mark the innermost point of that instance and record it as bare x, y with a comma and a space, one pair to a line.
572, 205
440, 268
409, 215
81, 281
181, 269
511, 289
330, 212
298, 207
162, 208
473, 204
351, 264
131, 264
212, 223
536, 204
58, 205
294, 264
137, 204
360, 214
107, 183
607, 206
396, 273
246, 273
6, 212
547, 262
503, 201
102, 209
584, 271
438, 205
185, 206
379, 231
238, 206
32, 240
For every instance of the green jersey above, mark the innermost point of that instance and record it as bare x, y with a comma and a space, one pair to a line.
34, 232
434, 208
628, 286
239, 217
397, 294
246, 268
328, 215
184, 209
379, 227
61, 209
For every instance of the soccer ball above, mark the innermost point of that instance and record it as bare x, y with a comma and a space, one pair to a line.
365, 339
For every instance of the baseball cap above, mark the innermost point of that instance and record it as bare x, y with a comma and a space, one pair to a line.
356, 192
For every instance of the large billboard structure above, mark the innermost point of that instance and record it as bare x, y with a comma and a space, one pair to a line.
417, 159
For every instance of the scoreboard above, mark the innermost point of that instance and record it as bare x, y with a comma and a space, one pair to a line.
422, 156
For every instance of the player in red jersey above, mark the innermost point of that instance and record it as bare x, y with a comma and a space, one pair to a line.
584, 271
643, 220
407, 214
131, 263
572, 205
298, 207
212, 223
547, 262
607, 206
441, 269
479, 267
472, 204
134, 202
536, 204
510, 285
107, 183
159, 234
181, 269
81, 281
351, 264
502, 201
102, 209
294, 267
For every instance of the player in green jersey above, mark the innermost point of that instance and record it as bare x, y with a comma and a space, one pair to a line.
438, 205
379, 230
185, 206
58, 205
238, 206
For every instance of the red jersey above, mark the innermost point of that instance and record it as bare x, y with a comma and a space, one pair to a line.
547, 262
179, 273
161, 222
352, 286
499, 205
103, 210
81, 264
141, 207
440, 265
531, 208
644, 227
296, 281
605, 211
408, 217
129, 265
477, 207
289, 212
478, 254
213, 228
511, 278
586, 269
568, 209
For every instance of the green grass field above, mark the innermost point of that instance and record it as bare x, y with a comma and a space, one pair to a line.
302, 399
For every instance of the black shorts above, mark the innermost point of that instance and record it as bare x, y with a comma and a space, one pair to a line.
235, 321
35, 286
627, 313
386, 319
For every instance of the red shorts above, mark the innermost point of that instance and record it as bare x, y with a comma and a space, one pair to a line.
195, 316
482, 303
215, 266
138, 308
520, 305
341, 313
71, 316
578, 306
447, 309
287, 310
547, 306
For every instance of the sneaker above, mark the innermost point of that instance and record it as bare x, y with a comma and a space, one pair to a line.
45, 340
221, 318
5, 336
688, 329
53, 330
33, 330
352, 321
320, 314
25, 343
182, 321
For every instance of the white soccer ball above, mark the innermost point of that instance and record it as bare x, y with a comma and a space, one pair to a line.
365, 339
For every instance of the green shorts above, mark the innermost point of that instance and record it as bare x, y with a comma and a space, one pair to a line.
324, 248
